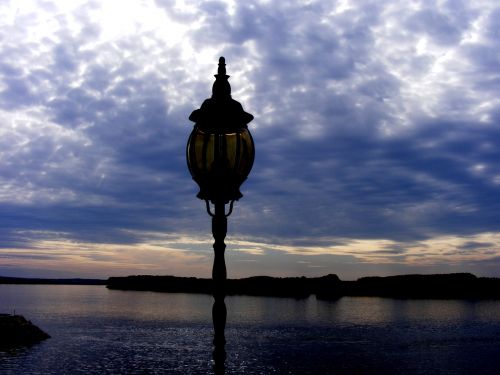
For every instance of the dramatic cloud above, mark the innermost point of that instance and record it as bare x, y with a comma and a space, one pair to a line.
376, 129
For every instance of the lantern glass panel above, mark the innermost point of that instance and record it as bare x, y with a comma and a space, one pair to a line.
220, 161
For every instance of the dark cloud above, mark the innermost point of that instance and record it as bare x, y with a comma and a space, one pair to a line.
16, 93
440, 27
472, 245
27, 256
360, 134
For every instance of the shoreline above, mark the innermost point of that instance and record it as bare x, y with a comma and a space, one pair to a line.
328, 287
51, 281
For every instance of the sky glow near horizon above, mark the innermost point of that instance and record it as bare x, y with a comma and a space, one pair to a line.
376, 129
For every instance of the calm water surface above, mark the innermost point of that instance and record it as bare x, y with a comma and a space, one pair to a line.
95, 330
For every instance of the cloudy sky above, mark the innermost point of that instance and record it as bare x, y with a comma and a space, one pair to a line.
377, 132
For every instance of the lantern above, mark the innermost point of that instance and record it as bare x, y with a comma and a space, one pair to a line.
220, 150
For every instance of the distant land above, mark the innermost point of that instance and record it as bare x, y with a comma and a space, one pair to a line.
24, 280
437, 286
329, 287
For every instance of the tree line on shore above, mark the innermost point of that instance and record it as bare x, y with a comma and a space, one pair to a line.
447, 286
442, 286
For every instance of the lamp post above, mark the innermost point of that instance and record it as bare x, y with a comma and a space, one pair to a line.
220, 154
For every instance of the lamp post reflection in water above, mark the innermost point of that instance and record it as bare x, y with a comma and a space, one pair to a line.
220, 154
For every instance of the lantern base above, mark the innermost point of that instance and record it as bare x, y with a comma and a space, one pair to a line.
228, 190
205, 196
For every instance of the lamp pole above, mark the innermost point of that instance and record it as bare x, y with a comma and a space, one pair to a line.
220, 154
219, 276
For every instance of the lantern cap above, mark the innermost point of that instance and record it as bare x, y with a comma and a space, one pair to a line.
221, 113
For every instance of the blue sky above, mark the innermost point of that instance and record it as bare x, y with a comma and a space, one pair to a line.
377, 131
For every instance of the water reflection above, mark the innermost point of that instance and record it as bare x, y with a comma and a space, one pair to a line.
375, 311
103, 331
219, 316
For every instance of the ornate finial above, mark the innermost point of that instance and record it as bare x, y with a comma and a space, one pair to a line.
222, 66
221, 87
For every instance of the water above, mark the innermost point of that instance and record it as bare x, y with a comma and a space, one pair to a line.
95, 330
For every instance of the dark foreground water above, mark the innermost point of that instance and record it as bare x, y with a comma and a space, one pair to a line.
95, 330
